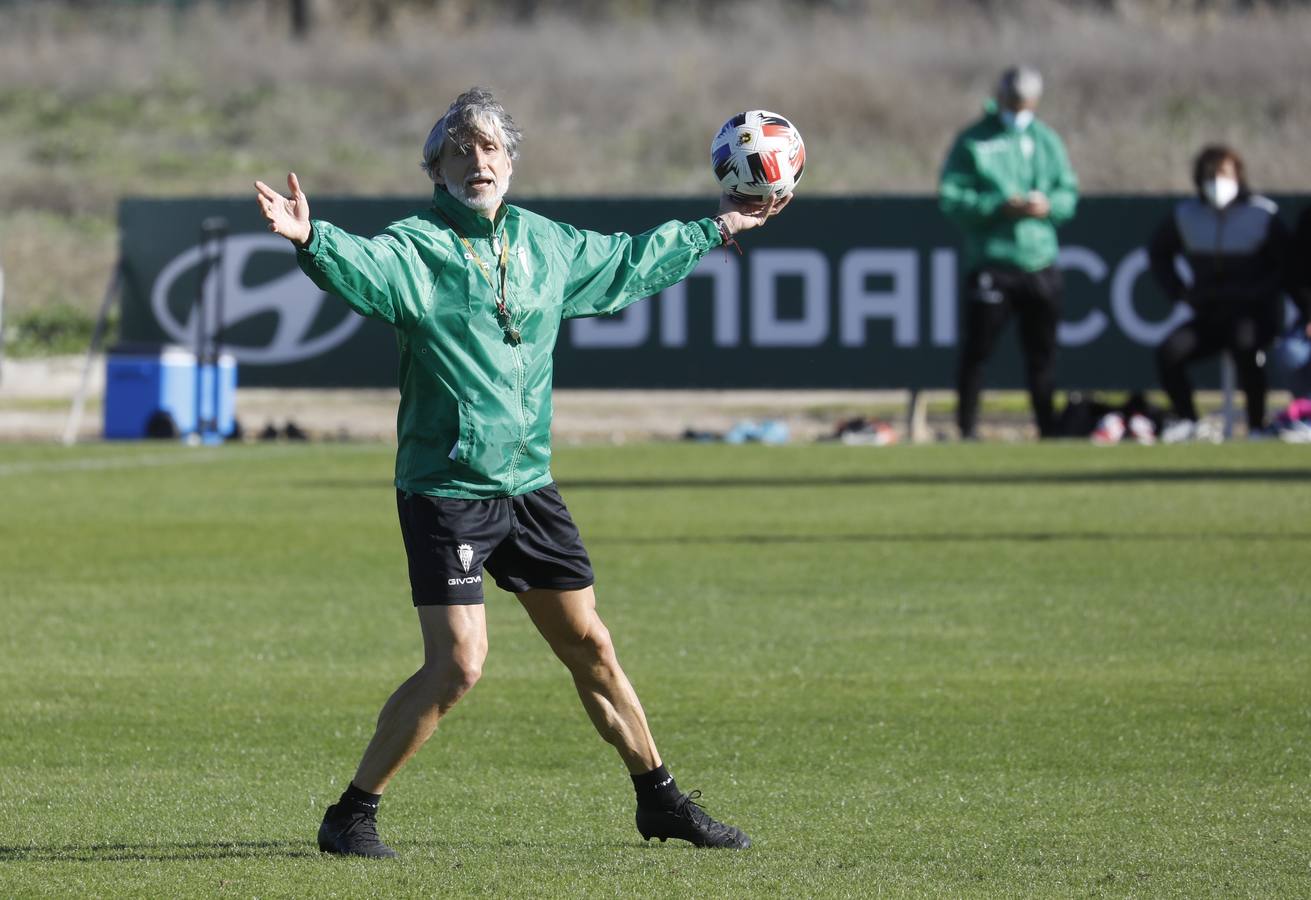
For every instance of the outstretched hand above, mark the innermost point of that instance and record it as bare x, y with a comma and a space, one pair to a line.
739, 216
287, 216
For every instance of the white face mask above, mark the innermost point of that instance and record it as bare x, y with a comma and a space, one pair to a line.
1220, 191
1017, 120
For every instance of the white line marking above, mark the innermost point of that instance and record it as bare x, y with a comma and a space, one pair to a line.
149, 460
91, 465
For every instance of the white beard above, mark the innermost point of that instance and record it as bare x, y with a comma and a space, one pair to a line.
481, 202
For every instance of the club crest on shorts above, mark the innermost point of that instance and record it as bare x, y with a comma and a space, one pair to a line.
465, 552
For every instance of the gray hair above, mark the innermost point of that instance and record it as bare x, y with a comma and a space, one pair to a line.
1019, 83
475, 112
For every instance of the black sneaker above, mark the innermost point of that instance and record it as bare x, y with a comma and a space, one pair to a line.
352, 833
689, 822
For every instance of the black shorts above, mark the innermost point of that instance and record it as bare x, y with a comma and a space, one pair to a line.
524, 542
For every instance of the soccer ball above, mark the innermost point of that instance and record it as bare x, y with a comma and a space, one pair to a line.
758, 154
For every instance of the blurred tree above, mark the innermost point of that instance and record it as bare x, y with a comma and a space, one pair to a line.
300, 18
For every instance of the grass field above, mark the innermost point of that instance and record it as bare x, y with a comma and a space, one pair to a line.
955, 670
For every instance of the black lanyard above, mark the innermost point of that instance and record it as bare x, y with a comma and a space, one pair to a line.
512, 334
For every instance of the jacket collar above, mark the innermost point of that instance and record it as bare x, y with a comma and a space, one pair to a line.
470, 223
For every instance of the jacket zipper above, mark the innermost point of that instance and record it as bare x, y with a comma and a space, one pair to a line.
521, 387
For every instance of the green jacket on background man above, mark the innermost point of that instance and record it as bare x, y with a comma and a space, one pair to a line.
474, 420
987, 165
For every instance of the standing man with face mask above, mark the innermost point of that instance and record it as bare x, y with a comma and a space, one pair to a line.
1007, 184
1236, 246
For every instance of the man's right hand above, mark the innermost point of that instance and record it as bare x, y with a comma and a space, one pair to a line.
1033, 206
287, 216
1015, 207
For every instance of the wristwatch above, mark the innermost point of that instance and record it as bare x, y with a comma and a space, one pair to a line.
725, 236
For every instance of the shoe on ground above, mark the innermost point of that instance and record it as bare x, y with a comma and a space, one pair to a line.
1182, 431
1109, 430
1297, 431
347, 832
1142, 429
1179, 431
1209, 432
687, 821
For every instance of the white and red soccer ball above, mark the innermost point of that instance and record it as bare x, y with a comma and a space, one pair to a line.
758, 154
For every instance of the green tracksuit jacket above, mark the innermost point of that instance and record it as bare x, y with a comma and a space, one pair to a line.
989, 164
474, 420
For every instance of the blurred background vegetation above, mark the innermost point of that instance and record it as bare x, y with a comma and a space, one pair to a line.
101, 99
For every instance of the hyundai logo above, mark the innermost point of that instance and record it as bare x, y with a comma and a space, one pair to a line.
292, 298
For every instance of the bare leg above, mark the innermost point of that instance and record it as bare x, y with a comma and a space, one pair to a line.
454, 648
568, 621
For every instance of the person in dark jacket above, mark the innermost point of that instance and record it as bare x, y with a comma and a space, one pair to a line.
1294, 351
1236, 246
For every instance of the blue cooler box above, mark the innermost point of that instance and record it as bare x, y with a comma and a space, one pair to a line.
142, 381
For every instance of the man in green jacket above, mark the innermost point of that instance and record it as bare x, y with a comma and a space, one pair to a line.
477, 290
1007, 184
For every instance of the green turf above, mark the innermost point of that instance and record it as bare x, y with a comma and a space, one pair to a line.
945, 671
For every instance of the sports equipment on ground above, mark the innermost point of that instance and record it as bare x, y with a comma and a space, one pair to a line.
758, 154
689, 822
352, 832
1183, 431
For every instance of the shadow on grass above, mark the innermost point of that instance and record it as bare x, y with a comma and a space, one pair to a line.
884, 479
192, 850
948, 537
216, 850
889, 479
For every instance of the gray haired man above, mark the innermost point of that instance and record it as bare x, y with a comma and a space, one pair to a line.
476, 290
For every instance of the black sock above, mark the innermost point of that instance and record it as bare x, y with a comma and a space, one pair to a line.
656, 788
354, 798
